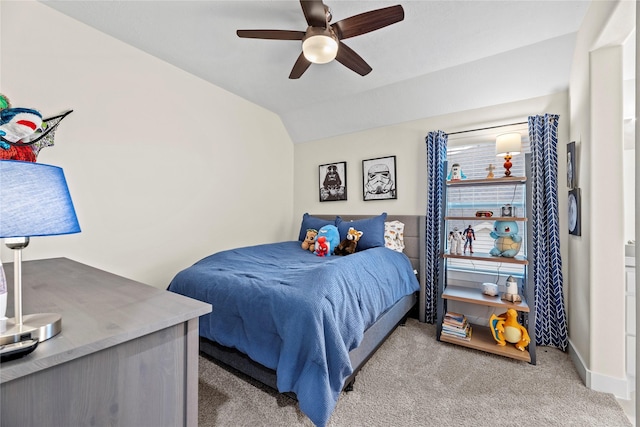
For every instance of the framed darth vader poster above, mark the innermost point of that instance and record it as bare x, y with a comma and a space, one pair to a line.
333, 181
379, 178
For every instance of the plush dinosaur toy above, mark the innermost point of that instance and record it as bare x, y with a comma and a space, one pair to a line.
505, 328
309, 242
348, 245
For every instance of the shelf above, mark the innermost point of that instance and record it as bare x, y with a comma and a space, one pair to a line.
481, 339
483, 256
475, 296
491, 181
485, 218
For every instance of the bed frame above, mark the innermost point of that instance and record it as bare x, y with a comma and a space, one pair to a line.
374, 336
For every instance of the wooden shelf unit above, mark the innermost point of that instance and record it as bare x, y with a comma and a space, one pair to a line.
481, 337
484, 218
489, 181
475, 296
483, 256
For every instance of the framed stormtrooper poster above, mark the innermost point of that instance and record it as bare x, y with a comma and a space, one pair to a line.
379, 178
333, 181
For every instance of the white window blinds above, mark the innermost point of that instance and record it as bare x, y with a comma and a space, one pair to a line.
475, 160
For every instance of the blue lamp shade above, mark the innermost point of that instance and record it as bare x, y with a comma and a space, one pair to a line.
34, 201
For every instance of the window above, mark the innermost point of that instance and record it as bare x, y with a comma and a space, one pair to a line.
474, 160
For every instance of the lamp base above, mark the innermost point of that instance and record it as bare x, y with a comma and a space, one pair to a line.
40, 326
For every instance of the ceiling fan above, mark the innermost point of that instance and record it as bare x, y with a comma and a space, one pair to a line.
322, 42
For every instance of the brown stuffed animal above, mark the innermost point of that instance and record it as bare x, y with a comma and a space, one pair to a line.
348, 245
309, 242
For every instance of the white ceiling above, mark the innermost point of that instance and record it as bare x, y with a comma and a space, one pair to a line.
445, 56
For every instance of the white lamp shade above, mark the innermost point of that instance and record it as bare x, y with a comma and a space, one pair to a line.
510, 143
320, 49
34, 201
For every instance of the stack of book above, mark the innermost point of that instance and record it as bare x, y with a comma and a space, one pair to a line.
456, 325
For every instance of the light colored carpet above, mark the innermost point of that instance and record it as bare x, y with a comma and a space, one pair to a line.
414, 380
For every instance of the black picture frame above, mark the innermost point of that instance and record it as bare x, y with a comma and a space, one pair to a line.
332, 181
571, 166
379, 181
575, 212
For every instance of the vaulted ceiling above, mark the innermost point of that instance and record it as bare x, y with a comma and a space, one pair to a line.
445, 56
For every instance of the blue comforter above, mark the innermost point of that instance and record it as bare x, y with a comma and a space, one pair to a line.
295, 312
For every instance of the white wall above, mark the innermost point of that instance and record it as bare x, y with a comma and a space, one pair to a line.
407, 142
163, 167
596, 259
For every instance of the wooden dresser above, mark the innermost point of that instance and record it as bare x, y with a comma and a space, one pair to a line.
127, 354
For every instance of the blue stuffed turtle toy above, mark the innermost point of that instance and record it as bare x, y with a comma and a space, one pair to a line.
507, 241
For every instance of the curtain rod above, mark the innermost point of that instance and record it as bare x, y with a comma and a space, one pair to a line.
487, 128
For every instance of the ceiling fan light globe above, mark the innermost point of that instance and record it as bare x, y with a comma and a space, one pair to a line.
320, 49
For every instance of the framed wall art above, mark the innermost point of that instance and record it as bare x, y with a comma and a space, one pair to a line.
379, 178
333, 181
571, 165
574, 211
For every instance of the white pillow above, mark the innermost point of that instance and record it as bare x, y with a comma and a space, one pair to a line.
394, 235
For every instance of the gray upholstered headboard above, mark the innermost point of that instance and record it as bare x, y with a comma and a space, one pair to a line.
414, 240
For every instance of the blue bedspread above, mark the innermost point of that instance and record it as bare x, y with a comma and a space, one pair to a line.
295, 312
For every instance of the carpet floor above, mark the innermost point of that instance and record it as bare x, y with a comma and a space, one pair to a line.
414, 380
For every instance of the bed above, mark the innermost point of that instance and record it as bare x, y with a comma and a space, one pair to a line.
302, 324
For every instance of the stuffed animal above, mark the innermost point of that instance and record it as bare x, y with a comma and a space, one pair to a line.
505, 328
507, 241
309, 242
327, 240
348, 245
322, 247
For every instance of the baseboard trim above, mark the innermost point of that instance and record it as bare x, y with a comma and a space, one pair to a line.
619, 387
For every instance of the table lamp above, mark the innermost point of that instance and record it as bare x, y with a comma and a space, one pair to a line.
34, 201
508, 145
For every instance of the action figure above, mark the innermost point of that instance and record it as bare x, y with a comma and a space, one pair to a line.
455, 242
470, 236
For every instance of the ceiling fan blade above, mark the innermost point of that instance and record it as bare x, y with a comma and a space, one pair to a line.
299, 67
347, 57
271, 34
314, 13
368, 21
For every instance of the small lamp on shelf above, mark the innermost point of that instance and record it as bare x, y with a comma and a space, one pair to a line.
34, 201
507, 146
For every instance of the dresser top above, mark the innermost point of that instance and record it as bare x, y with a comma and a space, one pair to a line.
99, 310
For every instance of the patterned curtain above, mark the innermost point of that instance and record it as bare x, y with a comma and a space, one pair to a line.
551, 322
436, 157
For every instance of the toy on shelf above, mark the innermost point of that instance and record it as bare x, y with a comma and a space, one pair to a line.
506, 329
470, 236
455, 242
512, 290
507, 241
484, 214
456, 174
